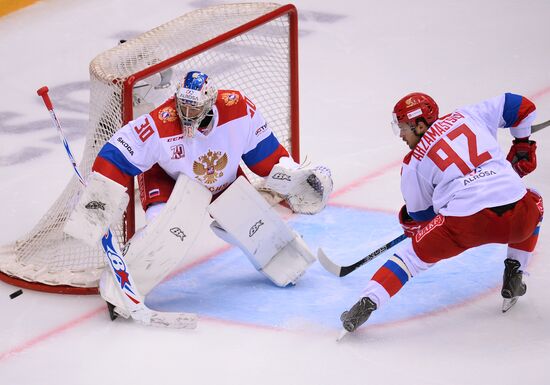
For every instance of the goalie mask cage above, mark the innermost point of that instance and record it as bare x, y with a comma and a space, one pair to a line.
251, 47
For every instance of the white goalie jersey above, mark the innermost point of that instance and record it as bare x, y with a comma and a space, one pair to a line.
239, 133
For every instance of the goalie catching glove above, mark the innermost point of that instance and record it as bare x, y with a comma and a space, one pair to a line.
102, 202
305, 189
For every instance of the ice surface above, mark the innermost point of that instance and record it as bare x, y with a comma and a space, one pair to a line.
356, 59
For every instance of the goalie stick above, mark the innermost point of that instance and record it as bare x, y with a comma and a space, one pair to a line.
342, 271
114, 258
540, 126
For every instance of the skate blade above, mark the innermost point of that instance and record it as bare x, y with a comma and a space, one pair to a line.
508, 303
342, 335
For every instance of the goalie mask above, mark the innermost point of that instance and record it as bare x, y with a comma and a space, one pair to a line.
195, 96
412, 108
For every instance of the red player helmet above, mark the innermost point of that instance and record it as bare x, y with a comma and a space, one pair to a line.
414, 106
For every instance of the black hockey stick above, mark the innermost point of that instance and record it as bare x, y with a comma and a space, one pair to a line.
538, 127
341, 271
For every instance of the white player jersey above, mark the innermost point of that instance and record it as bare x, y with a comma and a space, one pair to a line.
239, 132
458, 168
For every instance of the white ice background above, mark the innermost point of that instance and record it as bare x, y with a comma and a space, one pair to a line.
356, 59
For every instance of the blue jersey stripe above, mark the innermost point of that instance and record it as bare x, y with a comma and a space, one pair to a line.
265, 148
113, 155
397, 270
512, 102
424, 215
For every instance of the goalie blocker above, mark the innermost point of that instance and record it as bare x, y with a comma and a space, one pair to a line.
245, 219
101, 203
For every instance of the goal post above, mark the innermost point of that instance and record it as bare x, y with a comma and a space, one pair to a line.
250, 47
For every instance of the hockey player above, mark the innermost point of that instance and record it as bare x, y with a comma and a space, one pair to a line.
460, 192
200, 135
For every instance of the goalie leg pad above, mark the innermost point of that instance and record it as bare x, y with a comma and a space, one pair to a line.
101, 203
245, 219
112, 294
286, 267
156, 249
289, 264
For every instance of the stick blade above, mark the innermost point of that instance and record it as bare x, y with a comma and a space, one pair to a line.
166, 319
538, 127
329, 266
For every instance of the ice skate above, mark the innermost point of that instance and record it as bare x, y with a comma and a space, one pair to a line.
513, 286
358, 314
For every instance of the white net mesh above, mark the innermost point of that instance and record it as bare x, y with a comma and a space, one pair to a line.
256, 62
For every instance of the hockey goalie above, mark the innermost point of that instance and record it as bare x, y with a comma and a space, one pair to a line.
186, 154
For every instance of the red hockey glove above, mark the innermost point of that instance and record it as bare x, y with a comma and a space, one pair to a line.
410, 226
523, 156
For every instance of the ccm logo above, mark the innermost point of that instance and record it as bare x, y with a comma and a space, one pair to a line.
95, 205
178, 233
261, 129
255, 228
281, 176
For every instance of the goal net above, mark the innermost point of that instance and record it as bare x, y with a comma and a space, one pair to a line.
251, 47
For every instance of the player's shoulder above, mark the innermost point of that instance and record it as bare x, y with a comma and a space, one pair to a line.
166, 119
231, 105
